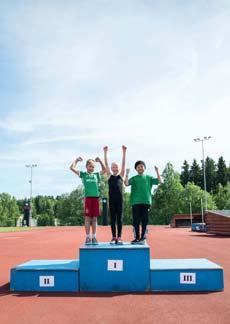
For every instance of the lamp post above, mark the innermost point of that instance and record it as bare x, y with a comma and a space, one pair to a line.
202, 140
31, 166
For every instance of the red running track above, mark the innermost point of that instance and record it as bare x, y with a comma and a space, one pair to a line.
82, 308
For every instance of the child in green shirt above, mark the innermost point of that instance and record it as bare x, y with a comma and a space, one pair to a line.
141, 199
91, 181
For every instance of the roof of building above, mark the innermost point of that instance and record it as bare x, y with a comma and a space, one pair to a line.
224, 212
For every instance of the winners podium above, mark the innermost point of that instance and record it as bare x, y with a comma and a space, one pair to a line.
117, 268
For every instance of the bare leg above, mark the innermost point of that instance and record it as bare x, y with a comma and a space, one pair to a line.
94, 225
87, 225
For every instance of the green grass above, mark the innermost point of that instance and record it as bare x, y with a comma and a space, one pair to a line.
18, 229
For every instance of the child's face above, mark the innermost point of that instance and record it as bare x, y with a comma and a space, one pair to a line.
140, 169
90, 167
115, 168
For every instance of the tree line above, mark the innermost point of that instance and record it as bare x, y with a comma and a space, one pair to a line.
176, 194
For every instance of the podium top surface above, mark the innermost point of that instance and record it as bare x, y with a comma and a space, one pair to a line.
182, 264
108, 246
49, 265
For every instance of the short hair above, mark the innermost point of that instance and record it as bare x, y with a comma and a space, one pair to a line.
89, 161
139, 162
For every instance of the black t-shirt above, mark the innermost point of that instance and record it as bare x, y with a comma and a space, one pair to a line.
115, 187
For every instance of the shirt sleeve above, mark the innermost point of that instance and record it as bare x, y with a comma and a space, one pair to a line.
130, 181
81, 175
154, 181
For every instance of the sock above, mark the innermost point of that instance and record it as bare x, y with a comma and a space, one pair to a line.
94, 235
87, 235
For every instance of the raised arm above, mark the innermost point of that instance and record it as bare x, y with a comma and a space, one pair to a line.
124, 148
73, 166
127, 177
158, 174
105, 149
103, 169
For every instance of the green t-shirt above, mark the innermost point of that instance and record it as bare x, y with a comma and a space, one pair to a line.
91, 183
141, 186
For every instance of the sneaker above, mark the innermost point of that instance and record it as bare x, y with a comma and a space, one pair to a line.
142, 241
94, 241
113, 241
135, 241
88, 241
119, 241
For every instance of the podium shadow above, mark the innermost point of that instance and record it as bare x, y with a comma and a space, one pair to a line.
101, 295
5, 290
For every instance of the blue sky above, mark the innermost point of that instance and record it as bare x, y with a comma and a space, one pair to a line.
77, 75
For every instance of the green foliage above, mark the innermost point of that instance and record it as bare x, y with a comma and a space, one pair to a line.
104, 189
222, 197
44, 205
45, 220
228, 174
211, 175
9, 211
21, 203
196, 175
196, 196
222, 172
185, 174
127, 211
167, 198
69, 208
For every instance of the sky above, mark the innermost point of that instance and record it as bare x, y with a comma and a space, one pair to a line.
78, 75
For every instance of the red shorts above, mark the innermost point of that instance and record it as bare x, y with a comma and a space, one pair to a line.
91, 207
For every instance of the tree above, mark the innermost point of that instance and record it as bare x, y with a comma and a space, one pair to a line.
196, 174
228, 174
222, 172
45, 220
210, 170
9, 211
185, 174
222, 197
69, 208
167, 198
196, 196
21, 204
44, 204
104, 187
127, 212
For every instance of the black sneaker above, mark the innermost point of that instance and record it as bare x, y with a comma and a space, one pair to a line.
142, 241
113, 241
88, 241
135, 241
94, 241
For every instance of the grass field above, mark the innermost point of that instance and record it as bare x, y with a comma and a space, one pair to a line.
18, 229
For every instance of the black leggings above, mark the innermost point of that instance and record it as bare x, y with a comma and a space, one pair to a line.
115, 208
140, 216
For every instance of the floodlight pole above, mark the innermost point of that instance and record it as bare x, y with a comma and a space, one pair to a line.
205, 138
31, 166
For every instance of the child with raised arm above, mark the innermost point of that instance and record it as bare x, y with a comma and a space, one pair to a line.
91, 181
115, 181
141, 199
